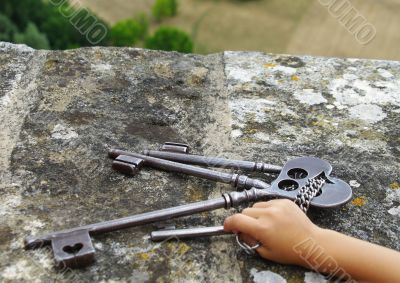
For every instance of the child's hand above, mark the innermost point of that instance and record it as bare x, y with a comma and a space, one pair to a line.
278, 225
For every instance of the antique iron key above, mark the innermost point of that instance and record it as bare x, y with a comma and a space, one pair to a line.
238, 181
187, 233
180, 153
73, 247
294, 175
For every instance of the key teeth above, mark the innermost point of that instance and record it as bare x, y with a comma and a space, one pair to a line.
175, 147
31, 243
127, 164
81, 251
113, 153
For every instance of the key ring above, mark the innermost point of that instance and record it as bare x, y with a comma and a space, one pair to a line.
250, 250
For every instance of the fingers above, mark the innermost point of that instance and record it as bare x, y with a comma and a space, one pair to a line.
248, 239
263, 250
262, 204
274, 202
254, 212
240, 223
265, 253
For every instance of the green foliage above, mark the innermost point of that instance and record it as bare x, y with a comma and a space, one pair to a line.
144, 23
85, 22
7, 29
23, 11
64, 26
45, 24
170, 39
164, 8
128, 32
64, 32
32, 37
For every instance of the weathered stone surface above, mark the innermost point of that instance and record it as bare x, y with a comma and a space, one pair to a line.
61, 111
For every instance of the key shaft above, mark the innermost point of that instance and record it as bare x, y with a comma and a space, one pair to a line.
228, 200
238, 181
215, 161
162, 235
134, 220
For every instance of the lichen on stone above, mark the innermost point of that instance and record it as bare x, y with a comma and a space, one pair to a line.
61, 111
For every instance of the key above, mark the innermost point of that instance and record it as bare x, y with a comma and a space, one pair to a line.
127, 164
73, 248
240, 182
297, 174
179, 152
170, 234
175, 147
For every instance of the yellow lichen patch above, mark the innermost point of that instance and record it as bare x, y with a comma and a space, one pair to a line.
295, 78
296, 279
144, 256
178, 248
58, 156
241, 263
197, 76
50, 64
394, 186
372, 135
269, 65
151, 99
359, 201
250, 131
321, 123
249, 140
318, 123
98, 55
183, 248
194, 194
163, 70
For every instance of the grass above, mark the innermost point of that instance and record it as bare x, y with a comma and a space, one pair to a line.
319, 35
277, 26
264, 25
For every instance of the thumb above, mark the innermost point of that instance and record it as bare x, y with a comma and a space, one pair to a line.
243, 224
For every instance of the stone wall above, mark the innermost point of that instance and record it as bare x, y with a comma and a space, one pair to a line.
61, 111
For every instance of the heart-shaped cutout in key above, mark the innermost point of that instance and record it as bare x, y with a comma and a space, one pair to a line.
73, 249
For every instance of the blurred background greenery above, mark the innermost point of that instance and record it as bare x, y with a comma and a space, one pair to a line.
202, 26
